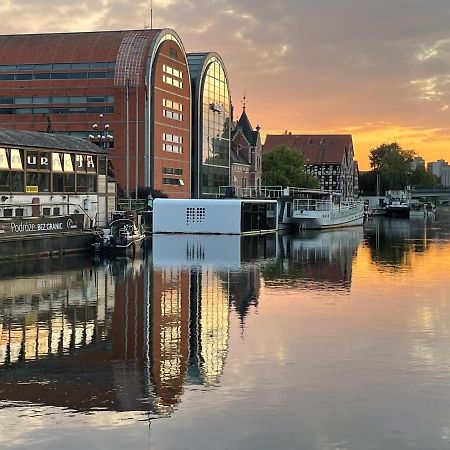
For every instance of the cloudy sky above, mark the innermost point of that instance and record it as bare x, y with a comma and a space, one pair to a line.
378, 69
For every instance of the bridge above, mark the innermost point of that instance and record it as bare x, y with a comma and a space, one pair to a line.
442, 195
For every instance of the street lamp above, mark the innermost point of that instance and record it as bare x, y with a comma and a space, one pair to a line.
102, 137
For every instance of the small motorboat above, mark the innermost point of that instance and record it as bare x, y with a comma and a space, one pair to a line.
122, 237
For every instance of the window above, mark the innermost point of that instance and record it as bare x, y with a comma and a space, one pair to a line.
172, 171
19, 212
46, 211
17, 179
69, 183
173, 138
172, 71
172, 105
173, 53
58, 182
4, 181
172, 115
172, 148
173, 81
7, 212
173, 181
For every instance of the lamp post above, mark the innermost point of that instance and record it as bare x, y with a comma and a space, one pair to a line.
102, 137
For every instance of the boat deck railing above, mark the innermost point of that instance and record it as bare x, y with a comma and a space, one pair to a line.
311, 205
267, 192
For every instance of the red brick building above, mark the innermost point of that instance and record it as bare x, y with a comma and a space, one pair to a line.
246, 151
136, 82
329, 158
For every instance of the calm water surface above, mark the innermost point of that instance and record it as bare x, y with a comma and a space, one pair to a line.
315, 341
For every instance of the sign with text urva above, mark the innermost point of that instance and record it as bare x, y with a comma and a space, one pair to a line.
21, 226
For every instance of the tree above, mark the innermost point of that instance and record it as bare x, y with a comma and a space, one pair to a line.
284, 166
393, 163
423, 179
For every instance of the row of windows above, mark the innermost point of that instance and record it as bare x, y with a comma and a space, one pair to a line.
173, 181
75, 110
55, 76
172, 105
19, 212
18, 160
173, 138
172, 115
172, 71
46, 182
59, 66
169, 80
173, 148
46, 100
172, 171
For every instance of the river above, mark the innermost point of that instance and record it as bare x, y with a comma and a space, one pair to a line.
313, 341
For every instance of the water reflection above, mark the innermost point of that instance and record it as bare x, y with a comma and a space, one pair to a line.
126, 334
393, 242
229, 333
315, 260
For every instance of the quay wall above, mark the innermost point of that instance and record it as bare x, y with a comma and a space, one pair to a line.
48, 244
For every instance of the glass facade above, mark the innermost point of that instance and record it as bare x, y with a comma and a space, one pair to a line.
215, 126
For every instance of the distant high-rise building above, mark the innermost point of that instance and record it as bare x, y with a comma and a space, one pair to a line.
436, 167
445, 176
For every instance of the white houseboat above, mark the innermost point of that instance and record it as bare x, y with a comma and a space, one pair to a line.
214, 216
315, 209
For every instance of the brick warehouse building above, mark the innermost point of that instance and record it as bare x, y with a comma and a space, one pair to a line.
137, 82
330, 158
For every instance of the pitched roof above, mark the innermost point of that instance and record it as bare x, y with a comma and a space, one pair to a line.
318, 148
237, 158
246, 127
19, 138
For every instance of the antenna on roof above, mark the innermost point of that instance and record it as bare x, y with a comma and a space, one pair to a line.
151, 14
244, 102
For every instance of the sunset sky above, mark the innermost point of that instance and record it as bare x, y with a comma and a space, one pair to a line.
379, 70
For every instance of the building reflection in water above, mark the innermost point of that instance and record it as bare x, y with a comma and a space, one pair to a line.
392, 242
125, 335
314, 259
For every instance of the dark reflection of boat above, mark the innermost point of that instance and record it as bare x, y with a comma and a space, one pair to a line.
320, 259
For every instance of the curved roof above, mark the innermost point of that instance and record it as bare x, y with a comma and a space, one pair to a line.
198, 62
128, 49
19, 138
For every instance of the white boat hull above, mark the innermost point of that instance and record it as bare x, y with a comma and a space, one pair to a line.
310, 221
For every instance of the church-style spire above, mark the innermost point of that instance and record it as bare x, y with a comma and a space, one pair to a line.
244, 103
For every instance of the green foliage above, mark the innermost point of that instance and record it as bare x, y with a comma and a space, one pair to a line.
285, 166
393, 165
423, 179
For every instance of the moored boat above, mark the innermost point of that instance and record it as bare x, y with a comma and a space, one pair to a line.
314, 209
399, 204
122, 237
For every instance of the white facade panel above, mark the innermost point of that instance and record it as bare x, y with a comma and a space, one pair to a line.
196, 216
201, 216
